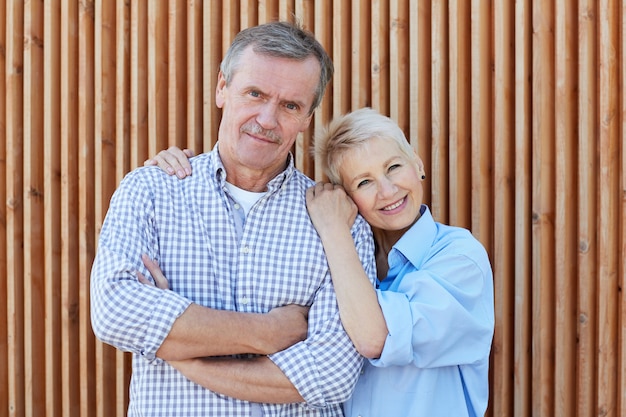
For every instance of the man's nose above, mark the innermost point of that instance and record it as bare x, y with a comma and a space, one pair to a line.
268, 115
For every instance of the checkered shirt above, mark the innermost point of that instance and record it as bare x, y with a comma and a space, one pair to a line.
188, 226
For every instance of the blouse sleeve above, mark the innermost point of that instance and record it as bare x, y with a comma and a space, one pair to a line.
441, 314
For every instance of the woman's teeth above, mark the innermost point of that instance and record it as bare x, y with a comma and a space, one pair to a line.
394, 205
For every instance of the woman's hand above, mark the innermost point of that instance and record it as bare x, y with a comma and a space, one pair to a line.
173, 161
159, 279
330, 207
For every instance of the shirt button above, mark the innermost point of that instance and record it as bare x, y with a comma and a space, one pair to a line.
237, 206
245, 249
244, 300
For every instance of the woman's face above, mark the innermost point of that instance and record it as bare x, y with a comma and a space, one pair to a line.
384, 183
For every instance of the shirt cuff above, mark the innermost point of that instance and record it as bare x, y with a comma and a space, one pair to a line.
168, 307
398, 349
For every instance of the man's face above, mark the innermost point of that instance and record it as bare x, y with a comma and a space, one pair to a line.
265, 106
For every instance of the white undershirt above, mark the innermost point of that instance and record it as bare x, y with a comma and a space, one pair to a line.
245, 198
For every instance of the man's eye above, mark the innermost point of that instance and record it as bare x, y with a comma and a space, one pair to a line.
291, 106
255, 94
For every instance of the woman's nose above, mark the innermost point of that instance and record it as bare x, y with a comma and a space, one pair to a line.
386, 187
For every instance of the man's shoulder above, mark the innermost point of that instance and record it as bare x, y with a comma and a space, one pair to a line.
147, 174
302, 179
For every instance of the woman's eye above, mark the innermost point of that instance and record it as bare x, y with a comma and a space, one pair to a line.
362, 183
394, 166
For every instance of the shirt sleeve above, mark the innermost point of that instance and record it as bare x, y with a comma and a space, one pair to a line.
325, 367
440, 315
125, 313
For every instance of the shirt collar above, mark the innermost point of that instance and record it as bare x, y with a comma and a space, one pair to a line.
217, 168
416, 242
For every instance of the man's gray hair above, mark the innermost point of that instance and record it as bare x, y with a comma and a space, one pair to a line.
280, 40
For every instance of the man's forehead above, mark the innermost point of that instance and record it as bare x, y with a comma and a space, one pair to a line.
287, 79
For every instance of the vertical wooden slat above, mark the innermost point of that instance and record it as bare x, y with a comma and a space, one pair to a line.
4, 286
212, 54
460, 158
138, 94
341, 48
14, 204
33, 163
323, 30
305, 13
587, 248
267, 11
52, 206
120, 85
70, 276
522, 322
608, 150
157, 76
230, 23
361, 55
482, 123
439, 167
621, 388
399, 63
195, 74
379, 51
420, 85
565, 219
543, 208
287, 10
119, 110
177, 75
249, 13
86, 202
105, 175
504, 209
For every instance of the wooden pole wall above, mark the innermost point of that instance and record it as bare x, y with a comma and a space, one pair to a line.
518, 110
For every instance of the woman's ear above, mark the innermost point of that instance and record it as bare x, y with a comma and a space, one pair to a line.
420, 164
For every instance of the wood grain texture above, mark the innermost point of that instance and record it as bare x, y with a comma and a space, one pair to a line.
516, 108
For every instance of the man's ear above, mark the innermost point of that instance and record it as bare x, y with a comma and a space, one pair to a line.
219, 90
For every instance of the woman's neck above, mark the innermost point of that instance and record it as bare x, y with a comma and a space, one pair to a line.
385, 239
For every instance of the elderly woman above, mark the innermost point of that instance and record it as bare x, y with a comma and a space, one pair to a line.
427, 326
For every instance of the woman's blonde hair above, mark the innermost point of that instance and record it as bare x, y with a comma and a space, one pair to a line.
352, 130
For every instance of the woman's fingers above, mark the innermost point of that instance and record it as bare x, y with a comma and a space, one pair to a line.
173, 161
143, 279
153, 267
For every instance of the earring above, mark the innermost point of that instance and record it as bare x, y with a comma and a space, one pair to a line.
423, 176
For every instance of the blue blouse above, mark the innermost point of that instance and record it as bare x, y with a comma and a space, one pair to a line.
438, 304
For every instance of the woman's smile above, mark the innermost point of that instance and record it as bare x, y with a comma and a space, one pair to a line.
384, 182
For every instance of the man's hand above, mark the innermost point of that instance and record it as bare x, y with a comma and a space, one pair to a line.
289, 326
173, 161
